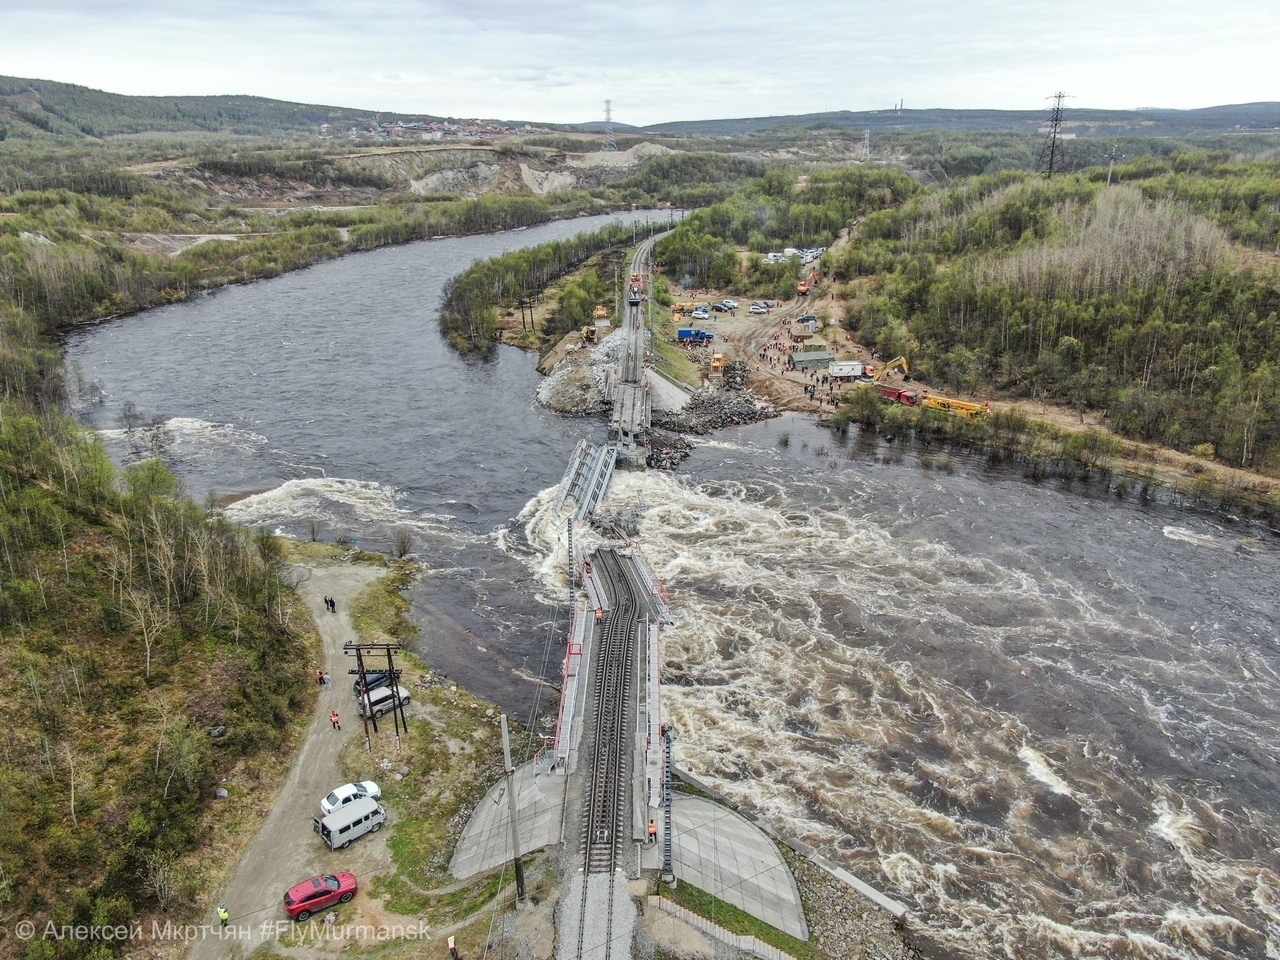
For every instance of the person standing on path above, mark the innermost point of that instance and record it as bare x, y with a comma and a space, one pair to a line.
319, 676
223, 915
333, 719
328, 682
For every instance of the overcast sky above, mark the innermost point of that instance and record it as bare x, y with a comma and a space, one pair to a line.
557, 60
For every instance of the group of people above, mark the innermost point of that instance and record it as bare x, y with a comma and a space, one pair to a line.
811, 391
322, 678
777, 354
332, 604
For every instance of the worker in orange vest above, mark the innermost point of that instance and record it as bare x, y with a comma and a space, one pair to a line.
333, 718
653, 831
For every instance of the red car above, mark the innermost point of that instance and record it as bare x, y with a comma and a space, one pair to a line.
317, 893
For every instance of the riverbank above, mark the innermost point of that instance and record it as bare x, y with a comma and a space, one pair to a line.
1043, 439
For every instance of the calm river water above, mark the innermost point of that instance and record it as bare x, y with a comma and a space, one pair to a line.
1043, 717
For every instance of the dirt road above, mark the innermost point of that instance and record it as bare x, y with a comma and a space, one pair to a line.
286, 850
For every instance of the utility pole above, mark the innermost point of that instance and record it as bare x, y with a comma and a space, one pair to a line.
866, 146
1051, 153
511, 809
668, 872
358, 650
1112, 162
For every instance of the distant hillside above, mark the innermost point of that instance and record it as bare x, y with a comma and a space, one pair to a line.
33, 107
42, 107
1233, 118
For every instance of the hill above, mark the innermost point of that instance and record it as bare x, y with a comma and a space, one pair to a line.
1233, 118
38, 107
35, 108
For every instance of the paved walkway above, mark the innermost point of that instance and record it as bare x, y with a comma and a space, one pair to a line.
666, 394
725, 854
486, 840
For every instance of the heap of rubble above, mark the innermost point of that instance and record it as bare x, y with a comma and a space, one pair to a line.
735, 374
667, 452
706, 412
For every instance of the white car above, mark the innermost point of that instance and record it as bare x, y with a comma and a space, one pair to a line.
757, 308
344, 794
730, 304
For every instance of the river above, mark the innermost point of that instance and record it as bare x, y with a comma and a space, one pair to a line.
1042, 716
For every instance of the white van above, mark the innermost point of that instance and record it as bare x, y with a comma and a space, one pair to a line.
349, 822
383, 700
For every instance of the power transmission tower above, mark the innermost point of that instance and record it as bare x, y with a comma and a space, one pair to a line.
610, 145
866, 146
1052, 159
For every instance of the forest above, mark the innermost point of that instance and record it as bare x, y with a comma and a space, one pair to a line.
1155, 300
150, 649
469, 302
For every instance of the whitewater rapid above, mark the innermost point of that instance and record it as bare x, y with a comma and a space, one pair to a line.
1003, 743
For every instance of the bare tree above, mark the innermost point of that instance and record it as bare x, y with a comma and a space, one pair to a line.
143, 612
402, 543
74, 775
163, 878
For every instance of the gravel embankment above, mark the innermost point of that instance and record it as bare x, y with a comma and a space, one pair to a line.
843, 924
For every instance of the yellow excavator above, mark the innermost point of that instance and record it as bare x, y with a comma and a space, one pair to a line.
897, 363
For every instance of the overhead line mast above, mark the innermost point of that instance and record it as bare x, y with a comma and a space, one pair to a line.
1052, 157
610, 145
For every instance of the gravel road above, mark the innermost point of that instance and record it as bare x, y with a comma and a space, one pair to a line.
286, 850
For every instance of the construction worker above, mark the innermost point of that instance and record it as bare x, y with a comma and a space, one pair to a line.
333, 718
653, 831
223, 916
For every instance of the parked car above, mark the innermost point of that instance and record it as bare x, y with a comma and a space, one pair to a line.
718, 308
381, 701
757, 308
341, 796
806, 318
730, 304
701, 313
377, 678
310, 896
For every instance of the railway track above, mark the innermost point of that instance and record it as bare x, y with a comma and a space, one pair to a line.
608, 801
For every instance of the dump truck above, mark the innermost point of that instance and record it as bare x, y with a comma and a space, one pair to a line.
633, 294
694, 335
894, 394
